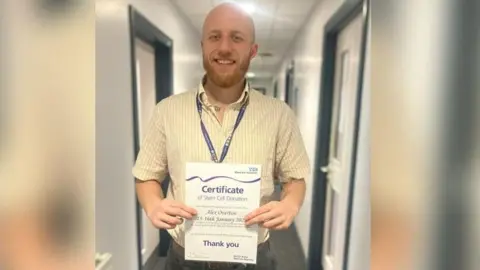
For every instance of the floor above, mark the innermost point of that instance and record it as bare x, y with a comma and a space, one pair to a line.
285, 244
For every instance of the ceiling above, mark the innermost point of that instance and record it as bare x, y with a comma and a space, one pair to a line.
276, 24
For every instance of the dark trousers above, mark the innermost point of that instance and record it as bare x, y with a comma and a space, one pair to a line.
176, 260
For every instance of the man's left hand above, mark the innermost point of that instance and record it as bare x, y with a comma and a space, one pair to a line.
274, 215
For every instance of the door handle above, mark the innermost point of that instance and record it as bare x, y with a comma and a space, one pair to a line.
325, 169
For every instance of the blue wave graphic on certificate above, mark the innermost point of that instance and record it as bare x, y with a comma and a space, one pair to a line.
227, 177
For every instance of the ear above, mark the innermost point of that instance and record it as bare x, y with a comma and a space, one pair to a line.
253, 51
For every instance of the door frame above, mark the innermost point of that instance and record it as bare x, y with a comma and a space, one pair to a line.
275, 89
140, 27
337, 22
289, 82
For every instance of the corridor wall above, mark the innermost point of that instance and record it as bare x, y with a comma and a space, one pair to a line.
115, 216
306, 51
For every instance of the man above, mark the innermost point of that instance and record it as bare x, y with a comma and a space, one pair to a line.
267, 134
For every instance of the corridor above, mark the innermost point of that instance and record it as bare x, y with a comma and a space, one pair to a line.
161, 55
384, 95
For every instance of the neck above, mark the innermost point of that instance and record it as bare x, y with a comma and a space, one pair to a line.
224, 96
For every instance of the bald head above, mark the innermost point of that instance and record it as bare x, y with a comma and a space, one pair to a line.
232, 15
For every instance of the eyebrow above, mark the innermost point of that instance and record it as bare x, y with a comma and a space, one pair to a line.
232, 32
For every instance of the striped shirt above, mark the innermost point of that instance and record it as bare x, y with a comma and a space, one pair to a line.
268, 135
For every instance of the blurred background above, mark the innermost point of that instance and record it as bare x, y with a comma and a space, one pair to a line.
47, 135
386, 95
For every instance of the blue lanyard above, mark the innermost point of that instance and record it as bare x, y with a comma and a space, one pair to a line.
226, 146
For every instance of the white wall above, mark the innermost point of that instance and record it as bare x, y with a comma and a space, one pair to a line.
115, 194
307, 54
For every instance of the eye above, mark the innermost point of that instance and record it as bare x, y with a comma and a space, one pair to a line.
214, 37
237, 38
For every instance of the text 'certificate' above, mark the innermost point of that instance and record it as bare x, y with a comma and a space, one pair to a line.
222, 194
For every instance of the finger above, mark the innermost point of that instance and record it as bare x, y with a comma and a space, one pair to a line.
187, 209
162, 225
185, 214
282, 226
263, 217
273, 223
169, 219
184, 207
263, 209
174, 211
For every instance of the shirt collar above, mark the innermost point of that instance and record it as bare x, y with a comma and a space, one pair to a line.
203, 95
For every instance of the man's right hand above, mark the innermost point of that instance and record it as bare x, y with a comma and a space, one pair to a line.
167, 214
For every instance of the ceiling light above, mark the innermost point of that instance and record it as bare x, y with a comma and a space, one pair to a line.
248, 7
250, 74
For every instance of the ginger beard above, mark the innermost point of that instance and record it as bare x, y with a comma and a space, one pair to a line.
223, 71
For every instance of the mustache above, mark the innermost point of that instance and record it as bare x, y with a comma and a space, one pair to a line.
223, 56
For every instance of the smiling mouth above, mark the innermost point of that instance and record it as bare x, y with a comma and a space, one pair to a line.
224, 61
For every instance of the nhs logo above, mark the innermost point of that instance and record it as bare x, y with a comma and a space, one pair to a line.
247, 170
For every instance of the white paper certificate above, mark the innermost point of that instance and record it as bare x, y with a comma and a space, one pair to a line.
222, 194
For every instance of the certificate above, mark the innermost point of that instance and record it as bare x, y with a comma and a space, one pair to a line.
222, 194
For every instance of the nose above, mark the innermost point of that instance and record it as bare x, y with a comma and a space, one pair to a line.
225, 45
